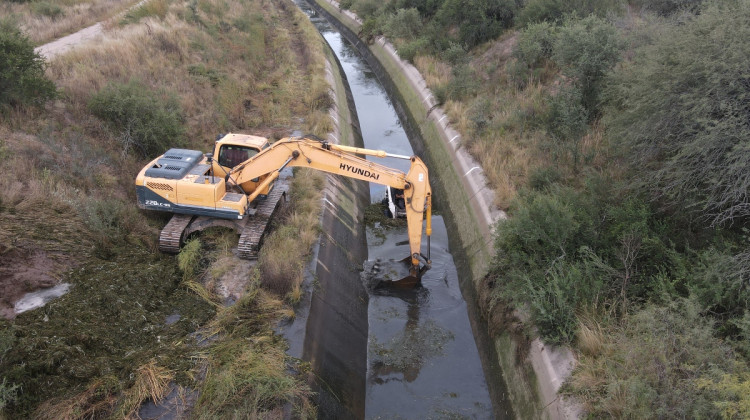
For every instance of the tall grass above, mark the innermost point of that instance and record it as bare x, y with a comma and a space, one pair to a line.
47, 21
247, 367
286, 251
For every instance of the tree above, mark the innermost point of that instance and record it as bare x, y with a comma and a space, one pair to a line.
22, 79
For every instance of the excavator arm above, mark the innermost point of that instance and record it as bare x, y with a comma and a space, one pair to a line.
342, 160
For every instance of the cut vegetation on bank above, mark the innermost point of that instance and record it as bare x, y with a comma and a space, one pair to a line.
126, 332
615, 133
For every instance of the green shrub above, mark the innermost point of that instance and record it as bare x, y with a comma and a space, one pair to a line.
157, 8
409, 50
148, 121
404, 24
542, 178
536, 11
200, 71
477, 21
463, 84
586, 50
535, 44
719, 282
553, 305
367, 8
679, 111
542, 11
8, 394
567, 118
455, 54
22, 79
47, 9
668, 7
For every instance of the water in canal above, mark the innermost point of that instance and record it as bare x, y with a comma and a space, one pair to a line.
422, 358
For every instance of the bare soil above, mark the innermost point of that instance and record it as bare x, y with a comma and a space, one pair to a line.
22, 272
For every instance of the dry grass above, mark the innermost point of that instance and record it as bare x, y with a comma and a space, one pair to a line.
286, 251
151, 383
435, 72
45, 21
94, 402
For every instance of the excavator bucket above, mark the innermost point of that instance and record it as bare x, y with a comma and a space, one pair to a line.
398, 274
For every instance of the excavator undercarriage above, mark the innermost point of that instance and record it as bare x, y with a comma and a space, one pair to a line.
252, 230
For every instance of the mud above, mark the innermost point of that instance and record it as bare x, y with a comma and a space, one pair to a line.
24, 272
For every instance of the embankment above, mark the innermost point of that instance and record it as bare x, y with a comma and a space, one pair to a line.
461, 193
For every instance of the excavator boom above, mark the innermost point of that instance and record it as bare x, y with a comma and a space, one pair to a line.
341, 160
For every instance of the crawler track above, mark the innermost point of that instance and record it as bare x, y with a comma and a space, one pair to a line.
257, 227
170, 238
252, 230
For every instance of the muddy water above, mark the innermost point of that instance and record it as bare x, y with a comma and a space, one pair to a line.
422, 360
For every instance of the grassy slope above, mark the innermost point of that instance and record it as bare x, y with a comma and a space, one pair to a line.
254, 66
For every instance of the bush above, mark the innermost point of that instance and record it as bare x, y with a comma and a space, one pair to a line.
477, 21
404, 24
668, 7
189, 259
542, 178
46, 8
536, 11
542, 11
567, 118
366, 8
535, 44
464, 83
586, 50
683, 122
455, 54
279, 273
410, 50
719, 282
157, 8
22, 79
150, 122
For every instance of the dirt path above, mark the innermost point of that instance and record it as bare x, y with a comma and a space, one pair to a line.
88, 34
67, 43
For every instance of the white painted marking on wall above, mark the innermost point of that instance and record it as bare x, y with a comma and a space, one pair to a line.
471, 170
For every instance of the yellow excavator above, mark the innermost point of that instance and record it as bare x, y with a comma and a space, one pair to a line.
235, 186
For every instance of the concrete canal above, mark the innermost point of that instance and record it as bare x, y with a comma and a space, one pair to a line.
378, 352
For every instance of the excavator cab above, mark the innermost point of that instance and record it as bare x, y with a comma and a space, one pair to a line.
232, 150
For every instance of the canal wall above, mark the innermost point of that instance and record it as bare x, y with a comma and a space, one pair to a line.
338, 356
462, 194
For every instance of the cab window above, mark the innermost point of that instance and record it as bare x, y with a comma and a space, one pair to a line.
231, 156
